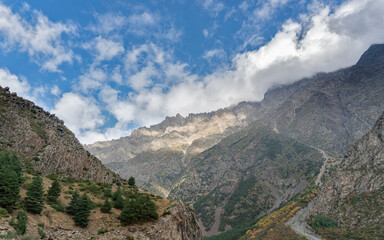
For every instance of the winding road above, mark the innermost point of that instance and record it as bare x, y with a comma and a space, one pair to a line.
297, 222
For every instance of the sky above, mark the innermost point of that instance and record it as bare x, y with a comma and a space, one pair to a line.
108, 67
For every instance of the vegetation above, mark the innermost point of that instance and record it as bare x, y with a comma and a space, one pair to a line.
321, 221
83, 211
34, 202
73, 204
118, 201
21, 224
131, 181
107, 206
141, 208
10, 180
54, 192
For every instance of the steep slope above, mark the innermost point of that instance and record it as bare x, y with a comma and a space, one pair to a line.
246, 175
354, 195
43, 142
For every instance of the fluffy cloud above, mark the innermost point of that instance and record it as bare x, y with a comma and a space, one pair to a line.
300, 49
10, 80
82, 115
105, 49
38, 36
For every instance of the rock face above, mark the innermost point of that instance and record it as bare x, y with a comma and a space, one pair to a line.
354, 195
43, 142
157, 156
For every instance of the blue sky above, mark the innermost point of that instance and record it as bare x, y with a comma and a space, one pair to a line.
107, 67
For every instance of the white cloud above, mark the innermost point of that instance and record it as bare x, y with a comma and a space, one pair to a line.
142, 19
205, 33
21, 87
38, 36
55, 90
82, 115
108, 22
213, 6
331, 41
105, 49
219, 53
93, 79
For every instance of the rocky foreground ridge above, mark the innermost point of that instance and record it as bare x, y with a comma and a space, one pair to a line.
44, 143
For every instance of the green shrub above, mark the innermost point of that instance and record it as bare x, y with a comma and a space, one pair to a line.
102, 231
58, 206
321, 221
3, 213
42, 234
21, 225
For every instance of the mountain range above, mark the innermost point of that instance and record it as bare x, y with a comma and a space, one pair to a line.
226, 161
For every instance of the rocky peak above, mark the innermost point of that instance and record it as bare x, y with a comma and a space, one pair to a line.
373, 56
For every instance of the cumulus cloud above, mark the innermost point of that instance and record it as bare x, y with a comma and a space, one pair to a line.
82, 115
20, 86
108, 22
93, 79
38, 37
330, 41
105, 49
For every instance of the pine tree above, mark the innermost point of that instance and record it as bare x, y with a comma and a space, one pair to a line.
54, 192
34, 201
116, 194
73, 205
131, 181
9, 187
129, 214
107, 206
81, 217
13, 163
119, 203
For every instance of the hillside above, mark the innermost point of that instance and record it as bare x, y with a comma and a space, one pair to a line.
176, 217
353, 197
44, 143
245, 176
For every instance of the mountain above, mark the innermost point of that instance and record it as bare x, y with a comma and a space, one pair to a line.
328, 111
245, 176
157, 156
43, 143
353, 196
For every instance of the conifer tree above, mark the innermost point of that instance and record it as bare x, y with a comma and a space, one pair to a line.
116, 194
54, 192
81, 217
73, 205
106, 207
131, 181
34, 201
119, 203
21, 225
9, 187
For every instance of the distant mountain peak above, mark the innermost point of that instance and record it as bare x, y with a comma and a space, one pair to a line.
374, 55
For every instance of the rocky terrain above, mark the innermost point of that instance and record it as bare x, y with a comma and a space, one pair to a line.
328, 111
354, 195
176, 219
43, 143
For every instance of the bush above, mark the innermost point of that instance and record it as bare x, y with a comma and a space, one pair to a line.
42, 234
140, 209
131, 181
58, 206
102, 231
107, 206
21, 225
321, 221
3, 213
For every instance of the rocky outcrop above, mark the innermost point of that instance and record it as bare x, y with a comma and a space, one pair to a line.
43, 143
354, 195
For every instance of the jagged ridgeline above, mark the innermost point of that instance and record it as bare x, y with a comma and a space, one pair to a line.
43, 143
